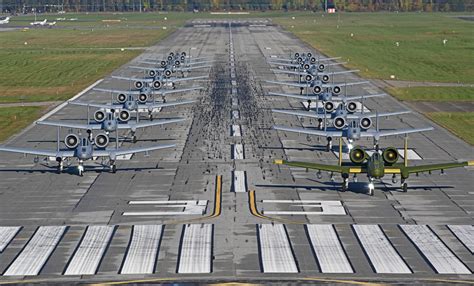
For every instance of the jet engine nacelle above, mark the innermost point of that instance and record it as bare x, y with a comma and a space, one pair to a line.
325, 78
312, 60
358, 155
139, 84
308, 77
297, 55
336, 89
121, 98
156, 84
309, 55
317, 89
351, 106
365, 123
163, 63
170, 57
142, 98
99, 116
339, 122
153, 73
71, 141
177, 63
124, 115
167, 73
306, 66
300, 60
390, 155
329, 106
321, 67
101, 140
183, 58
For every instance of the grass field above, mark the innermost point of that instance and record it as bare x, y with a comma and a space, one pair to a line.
13, 119
433, 93
460, 123
368, 41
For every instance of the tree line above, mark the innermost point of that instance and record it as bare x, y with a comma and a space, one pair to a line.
29, 6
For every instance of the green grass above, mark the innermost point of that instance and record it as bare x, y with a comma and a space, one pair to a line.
13, 119
421, 55
433, 93
459, 123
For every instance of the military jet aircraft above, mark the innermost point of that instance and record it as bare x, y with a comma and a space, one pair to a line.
375, 166
318, 86
83, 149
5, 21
354, 127
128, 103
157, 81
109, 122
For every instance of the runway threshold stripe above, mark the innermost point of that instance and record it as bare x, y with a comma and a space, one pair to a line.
91, 249
329, 252
465, 233
382, 255
7, 233
37, 251
434, 250
237, 152
195, 254
239, 182
143, 250
275, 249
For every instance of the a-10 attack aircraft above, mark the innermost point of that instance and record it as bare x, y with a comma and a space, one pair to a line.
375, 166
83, 149
110, 122
128, 103
318, 86
157, 82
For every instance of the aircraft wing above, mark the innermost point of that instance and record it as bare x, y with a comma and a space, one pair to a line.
309, 131
116, 90
345, 84
289, 72
149, 123
299, 113
198, 63
297, 96
192, 68
145, 68
96, 105
316, 166
439, 166
284, 64
70, 125
188, 78
132, 78
382, 114
38, 152
120, 152
343, 72
287, 83
357, 97
168, 91
149, 62
168, 104
384, 133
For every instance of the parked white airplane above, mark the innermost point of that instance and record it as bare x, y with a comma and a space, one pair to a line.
5, 21
43, 23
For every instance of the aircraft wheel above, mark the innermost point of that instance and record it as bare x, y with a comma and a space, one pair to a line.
113, 168
371, 192
81, 172
405, 187
134, 139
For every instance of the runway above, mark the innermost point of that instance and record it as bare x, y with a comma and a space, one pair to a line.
216, 208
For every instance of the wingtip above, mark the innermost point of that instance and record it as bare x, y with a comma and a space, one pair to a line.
470, 163
278, 162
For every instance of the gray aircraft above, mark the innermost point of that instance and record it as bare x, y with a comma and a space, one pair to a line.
318, 86
354, 128
83, 149
157, 82
128, 103
109, 122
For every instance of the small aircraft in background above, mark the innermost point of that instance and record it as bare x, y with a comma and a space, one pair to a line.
5, 21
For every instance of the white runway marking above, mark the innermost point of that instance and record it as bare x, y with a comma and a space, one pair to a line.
7, 233
89, 253
275, 249
327, 207
239, 181
35, 254
235, 114
143, 249
235, 101
329, 252
434, 250
187, 207
236, 131
465, 233
383, 257
237, 151
196, 249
